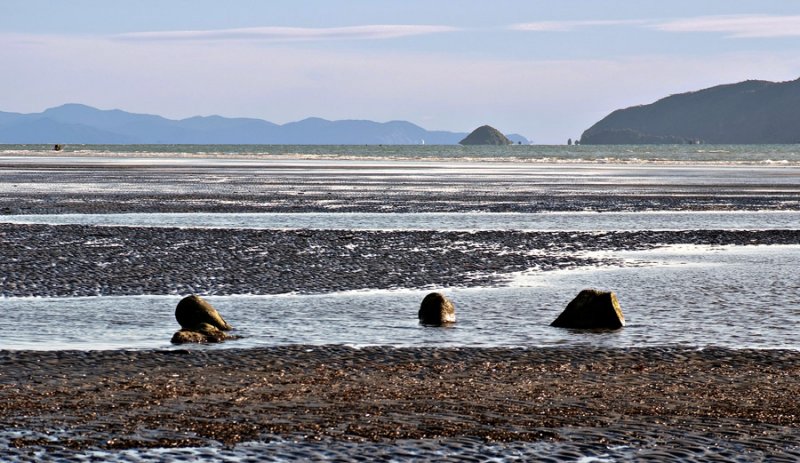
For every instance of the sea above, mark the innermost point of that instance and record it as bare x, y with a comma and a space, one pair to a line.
625, 154
683, 295
731, 296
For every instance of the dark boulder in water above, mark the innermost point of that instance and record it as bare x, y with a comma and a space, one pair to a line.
200, 322
592, 309
193, 311
436, 309
200, 334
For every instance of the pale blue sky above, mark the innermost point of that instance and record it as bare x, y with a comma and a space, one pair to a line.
544, 69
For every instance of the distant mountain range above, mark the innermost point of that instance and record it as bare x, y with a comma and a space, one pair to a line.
750, 112
81, 124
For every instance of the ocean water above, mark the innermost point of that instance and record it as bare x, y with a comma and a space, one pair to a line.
387, 179
675, 154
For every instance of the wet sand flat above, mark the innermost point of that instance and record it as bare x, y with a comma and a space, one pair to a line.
102, 185
82, 260
596, 397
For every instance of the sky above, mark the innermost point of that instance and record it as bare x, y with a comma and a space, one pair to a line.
547, 70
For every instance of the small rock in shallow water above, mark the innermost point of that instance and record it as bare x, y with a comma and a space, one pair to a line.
192, 311
592, 309
436, 309
201, 334
200, 322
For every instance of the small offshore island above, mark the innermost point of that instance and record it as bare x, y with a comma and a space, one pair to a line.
486, 135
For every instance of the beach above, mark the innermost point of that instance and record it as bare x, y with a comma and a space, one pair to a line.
104, 183
664, 403
318, 401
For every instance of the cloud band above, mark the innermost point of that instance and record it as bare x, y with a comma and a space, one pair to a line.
367, 32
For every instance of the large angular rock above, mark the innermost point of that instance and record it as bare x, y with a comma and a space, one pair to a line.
592, 309
200, 322
436, 309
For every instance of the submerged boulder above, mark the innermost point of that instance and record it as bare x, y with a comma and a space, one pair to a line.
200, 322
436, 309
592, 309
200, 334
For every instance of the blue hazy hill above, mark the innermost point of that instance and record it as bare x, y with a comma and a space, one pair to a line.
749, 112
76, 123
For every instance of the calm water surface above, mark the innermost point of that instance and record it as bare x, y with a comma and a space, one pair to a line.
726, 296
759, 154
550, 221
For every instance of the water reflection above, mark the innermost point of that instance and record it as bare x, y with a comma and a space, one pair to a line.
548, 221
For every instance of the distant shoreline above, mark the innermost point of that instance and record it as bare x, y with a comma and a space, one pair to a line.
366, 181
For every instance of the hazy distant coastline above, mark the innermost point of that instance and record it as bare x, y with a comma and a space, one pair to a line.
750, 112
81, 124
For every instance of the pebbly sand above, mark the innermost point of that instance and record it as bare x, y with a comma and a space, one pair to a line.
333, 403
662, 402
602, 398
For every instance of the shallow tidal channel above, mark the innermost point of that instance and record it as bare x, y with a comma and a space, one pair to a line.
731, 296
443, 221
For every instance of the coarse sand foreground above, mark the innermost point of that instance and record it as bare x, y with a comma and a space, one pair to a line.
180, 398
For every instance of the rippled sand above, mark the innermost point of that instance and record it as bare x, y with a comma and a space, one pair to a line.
671, 402
77, 260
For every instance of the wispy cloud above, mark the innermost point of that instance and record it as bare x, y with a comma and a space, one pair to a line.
366, 32
736, 26
740, 26
567, 26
